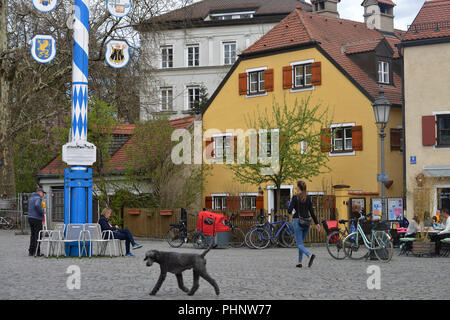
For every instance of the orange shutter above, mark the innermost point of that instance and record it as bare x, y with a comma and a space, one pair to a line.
325, 137
242, 83
268, 80
357, 142
428, 130
287, 77
208, 202
259, 202
316, 73
209, 148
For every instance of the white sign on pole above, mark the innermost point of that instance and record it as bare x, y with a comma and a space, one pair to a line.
119, 8
43, 48
45, 5
117, 53
79, 153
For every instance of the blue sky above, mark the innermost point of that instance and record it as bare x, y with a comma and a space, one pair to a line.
405, 11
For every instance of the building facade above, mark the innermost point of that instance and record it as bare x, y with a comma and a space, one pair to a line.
427, 105
187, 52
337, 63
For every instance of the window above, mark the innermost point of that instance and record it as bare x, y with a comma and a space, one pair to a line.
341, 139
222, 145
248, 202
229, 52
256, 82
383, 72
166, 99
219, 202
193, 55
443, 129
193, 96
57, 204
167, 57
302, 76
396, 138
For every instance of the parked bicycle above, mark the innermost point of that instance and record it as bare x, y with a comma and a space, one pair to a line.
260, 221
262, 235
335, 240
357, 245
6, 223
178, 234
237, 236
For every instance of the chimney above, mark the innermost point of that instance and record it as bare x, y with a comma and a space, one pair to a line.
326, 7
379, 14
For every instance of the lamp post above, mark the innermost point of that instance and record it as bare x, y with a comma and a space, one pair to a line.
381, 109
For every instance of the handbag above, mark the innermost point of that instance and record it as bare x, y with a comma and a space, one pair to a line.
302, 221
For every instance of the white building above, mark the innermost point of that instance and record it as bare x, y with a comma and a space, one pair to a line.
195, 47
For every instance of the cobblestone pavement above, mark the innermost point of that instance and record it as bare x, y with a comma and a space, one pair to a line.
240, 273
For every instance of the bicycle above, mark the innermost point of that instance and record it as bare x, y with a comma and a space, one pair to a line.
178, 234
335, 240
358, 246
261, 218
237, 236
262, 235
6, 223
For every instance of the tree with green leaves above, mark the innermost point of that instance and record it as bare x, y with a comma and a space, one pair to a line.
297, 132
150, 169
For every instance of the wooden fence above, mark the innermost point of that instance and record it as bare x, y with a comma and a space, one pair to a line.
153, 223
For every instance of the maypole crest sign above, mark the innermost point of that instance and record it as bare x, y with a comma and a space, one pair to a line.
117, 53
45, 5
119, 8
43, 48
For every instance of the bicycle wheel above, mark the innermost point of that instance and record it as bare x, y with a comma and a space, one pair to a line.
175, 237
354, 246
237, 237
247, 239
288, 236
384, 249
335, 244
259, 238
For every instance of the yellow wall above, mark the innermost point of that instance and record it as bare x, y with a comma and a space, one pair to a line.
346, 104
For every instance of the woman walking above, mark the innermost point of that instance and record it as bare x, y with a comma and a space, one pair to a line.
303, 211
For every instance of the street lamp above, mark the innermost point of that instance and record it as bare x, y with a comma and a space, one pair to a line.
381, 109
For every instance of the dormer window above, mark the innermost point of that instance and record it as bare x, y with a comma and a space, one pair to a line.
232, 15
383, 72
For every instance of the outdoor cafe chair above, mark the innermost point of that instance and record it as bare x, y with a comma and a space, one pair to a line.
56, 235
93, 235
115, 243
75, 232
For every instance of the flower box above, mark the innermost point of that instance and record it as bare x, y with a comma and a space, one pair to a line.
420, 248
165, 212
246, 213
134, 211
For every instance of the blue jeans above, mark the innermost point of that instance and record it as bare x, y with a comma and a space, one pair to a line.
300, 235
125, 234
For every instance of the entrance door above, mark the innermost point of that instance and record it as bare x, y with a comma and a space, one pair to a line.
443, 198
286, 195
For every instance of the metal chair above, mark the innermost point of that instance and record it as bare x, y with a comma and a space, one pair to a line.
445, 247
93, 235
75, 233
55, 236
43, 237
116, 243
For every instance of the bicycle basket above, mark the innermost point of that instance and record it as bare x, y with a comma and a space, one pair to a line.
381, 225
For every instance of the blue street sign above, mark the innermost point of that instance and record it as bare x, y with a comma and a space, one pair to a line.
382, 177
412, 159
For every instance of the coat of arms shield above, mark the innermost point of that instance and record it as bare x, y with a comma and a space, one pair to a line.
119, 8
117, 53
43, 48
45, 5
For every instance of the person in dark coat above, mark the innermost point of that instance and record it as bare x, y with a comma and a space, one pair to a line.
35, 219
121, 234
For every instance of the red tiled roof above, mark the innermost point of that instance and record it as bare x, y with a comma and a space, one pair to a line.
363, 46
332, 35
117, 161
432, 21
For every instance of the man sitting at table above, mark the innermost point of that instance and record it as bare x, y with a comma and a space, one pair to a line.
444, 233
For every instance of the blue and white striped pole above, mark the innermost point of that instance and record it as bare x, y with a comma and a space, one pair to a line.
78, 180
80, 71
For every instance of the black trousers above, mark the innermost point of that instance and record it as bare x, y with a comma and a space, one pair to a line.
35, 227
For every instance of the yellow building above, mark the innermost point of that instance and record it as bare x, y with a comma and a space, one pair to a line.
338, 63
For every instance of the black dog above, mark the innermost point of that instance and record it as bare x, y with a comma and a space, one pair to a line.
176, 263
